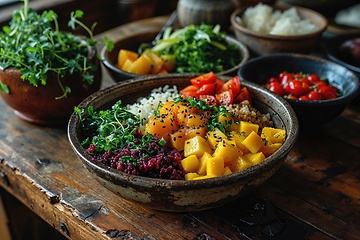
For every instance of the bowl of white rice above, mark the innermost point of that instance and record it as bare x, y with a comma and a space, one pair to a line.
267, 29
142, 95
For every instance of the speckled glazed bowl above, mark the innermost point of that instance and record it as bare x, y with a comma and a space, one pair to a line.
182, 195
132, 42
309, 113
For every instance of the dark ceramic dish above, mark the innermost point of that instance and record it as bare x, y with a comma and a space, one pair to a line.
258, 70
182, 195
331, 47
132, 43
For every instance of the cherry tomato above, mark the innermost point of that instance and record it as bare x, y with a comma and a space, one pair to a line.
210, 99
219, 84
189, 91
243, 95
286, 78
304, 98
313, 77
297, 88
225, 97
207, 89
209, 77
314, 95
327, 92
233, 84
276, 88
273, 79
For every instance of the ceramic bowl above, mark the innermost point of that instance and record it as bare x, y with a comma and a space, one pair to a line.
332, 49
182, 195
309, 113
265, 44
43, 105
132, 42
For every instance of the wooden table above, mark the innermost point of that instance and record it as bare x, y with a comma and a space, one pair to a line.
315, 195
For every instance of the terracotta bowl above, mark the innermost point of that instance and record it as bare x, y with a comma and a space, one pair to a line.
132, 42
309, 113
265, 44
182, 195
39, 105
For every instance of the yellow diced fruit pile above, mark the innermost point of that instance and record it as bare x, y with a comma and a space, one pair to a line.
217, 154
145, 64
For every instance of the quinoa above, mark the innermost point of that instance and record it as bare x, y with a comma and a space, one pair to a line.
245, 112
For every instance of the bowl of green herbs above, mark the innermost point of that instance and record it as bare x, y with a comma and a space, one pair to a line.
45, 72
194, 49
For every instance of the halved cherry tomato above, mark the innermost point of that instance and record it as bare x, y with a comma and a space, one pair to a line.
243, 95
189, 91
225, 97
210, 99
314, 95
233, 84
209, 77
313, 77
219, 84
207, 89
327, 92
273, 79
276, 88
297, 88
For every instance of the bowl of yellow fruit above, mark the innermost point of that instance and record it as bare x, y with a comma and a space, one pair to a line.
192, 49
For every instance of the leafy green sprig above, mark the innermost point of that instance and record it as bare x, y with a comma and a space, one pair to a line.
199, 48
114, 129
33, 43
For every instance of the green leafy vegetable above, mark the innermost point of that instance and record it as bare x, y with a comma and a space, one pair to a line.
199, 48
114, 129
33, 44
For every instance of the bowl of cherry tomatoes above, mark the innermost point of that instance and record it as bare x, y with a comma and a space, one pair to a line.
317, 89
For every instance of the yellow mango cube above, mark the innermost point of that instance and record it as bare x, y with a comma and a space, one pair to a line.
247, 128
227, 150
204, 177
254, 158
238, 138
273, 135
126, 65
196, 146
270, 148
240, 164
141, 66
227, 170
202, 163
169, 62
215, 166
214, 137
126, 55
199, 131
191, 176
190, 163
225, 120
177, 139
253, 142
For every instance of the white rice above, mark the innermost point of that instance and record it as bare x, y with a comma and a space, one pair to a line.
145, 107
263, 18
